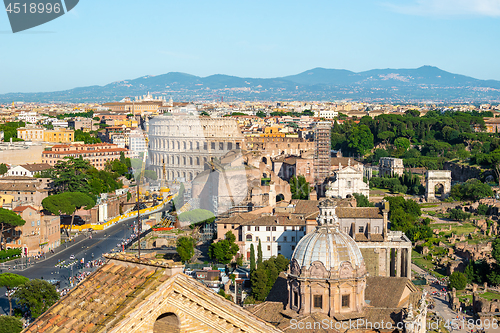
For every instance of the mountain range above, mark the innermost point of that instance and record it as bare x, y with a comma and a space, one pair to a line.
424, 84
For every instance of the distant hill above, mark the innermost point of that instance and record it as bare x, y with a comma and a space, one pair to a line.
423, 84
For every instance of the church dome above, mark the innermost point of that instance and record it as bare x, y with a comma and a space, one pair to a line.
328, 245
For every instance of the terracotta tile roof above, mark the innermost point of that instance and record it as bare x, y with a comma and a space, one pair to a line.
276, 220
84, 151
36, 167
359, 212
377, 287
127, 290
22, 208
237, 219
344, 161
19, 187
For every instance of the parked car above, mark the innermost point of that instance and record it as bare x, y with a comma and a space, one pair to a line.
72, 257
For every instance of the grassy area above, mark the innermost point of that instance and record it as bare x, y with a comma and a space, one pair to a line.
423, 263
428, 205
380, 189
490, 295
456, 228
463, 298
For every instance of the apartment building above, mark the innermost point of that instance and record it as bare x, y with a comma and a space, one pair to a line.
97, 154
40, 134
24, 190
40, 233
28, 170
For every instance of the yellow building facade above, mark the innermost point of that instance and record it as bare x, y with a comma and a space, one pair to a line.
60, 135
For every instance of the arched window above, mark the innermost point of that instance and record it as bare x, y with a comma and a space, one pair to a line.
248, 238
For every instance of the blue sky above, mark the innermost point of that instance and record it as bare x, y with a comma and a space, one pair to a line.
99, 42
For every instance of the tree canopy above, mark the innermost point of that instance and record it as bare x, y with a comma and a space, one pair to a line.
37, 295
185, 248
458, 281
225, 249
9, 220
10, 324
10, 281
299, 187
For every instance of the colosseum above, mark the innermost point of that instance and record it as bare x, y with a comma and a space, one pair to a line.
184, 143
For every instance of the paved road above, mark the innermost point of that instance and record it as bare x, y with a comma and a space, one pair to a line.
457, 320
101, 242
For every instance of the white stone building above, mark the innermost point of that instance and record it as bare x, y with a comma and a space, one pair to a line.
277, 234
347, 181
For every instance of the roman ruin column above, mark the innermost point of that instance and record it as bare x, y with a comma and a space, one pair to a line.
398, 263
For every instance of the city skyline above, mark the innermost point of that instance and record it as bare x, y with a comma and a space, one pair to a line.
99, 43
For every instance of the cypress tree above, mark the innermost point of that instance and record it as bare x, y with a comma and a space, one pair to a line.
252, 258
259, 255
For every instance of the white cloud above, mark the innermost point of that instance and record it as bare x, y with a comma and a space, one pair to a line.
449, 8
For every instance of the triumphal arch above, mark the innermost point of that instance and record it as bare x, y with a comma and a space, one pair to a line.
438, 184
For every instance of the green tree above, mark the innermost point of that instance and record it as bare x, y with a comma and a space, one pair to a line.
386, 136
259, 254
362, 200
3, 168
37, 295
10, 324
458, 281
224, 250
261, 114
252, 258
70, 175
281, 263
482, 209
68, 203
185, 248
403, 143
259, 284
11, 281
361, 139
8, 221
299, 187
272, 273
469, 272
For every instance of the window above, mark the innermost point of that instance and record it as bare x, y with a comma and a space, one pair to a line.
249, 228
284, 239
248, 238
345, 301
348, 184
295, 298
256, 228
274, 239
293, 238
232, 226
225, 226
279, 247
212, 145
268, 228
361, 229
318, 301
269, 247
268, 238
32, 223
274, 229
376, 230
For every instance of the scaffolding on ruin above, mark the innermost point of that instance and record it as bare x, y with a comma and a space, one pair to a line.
322, 144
